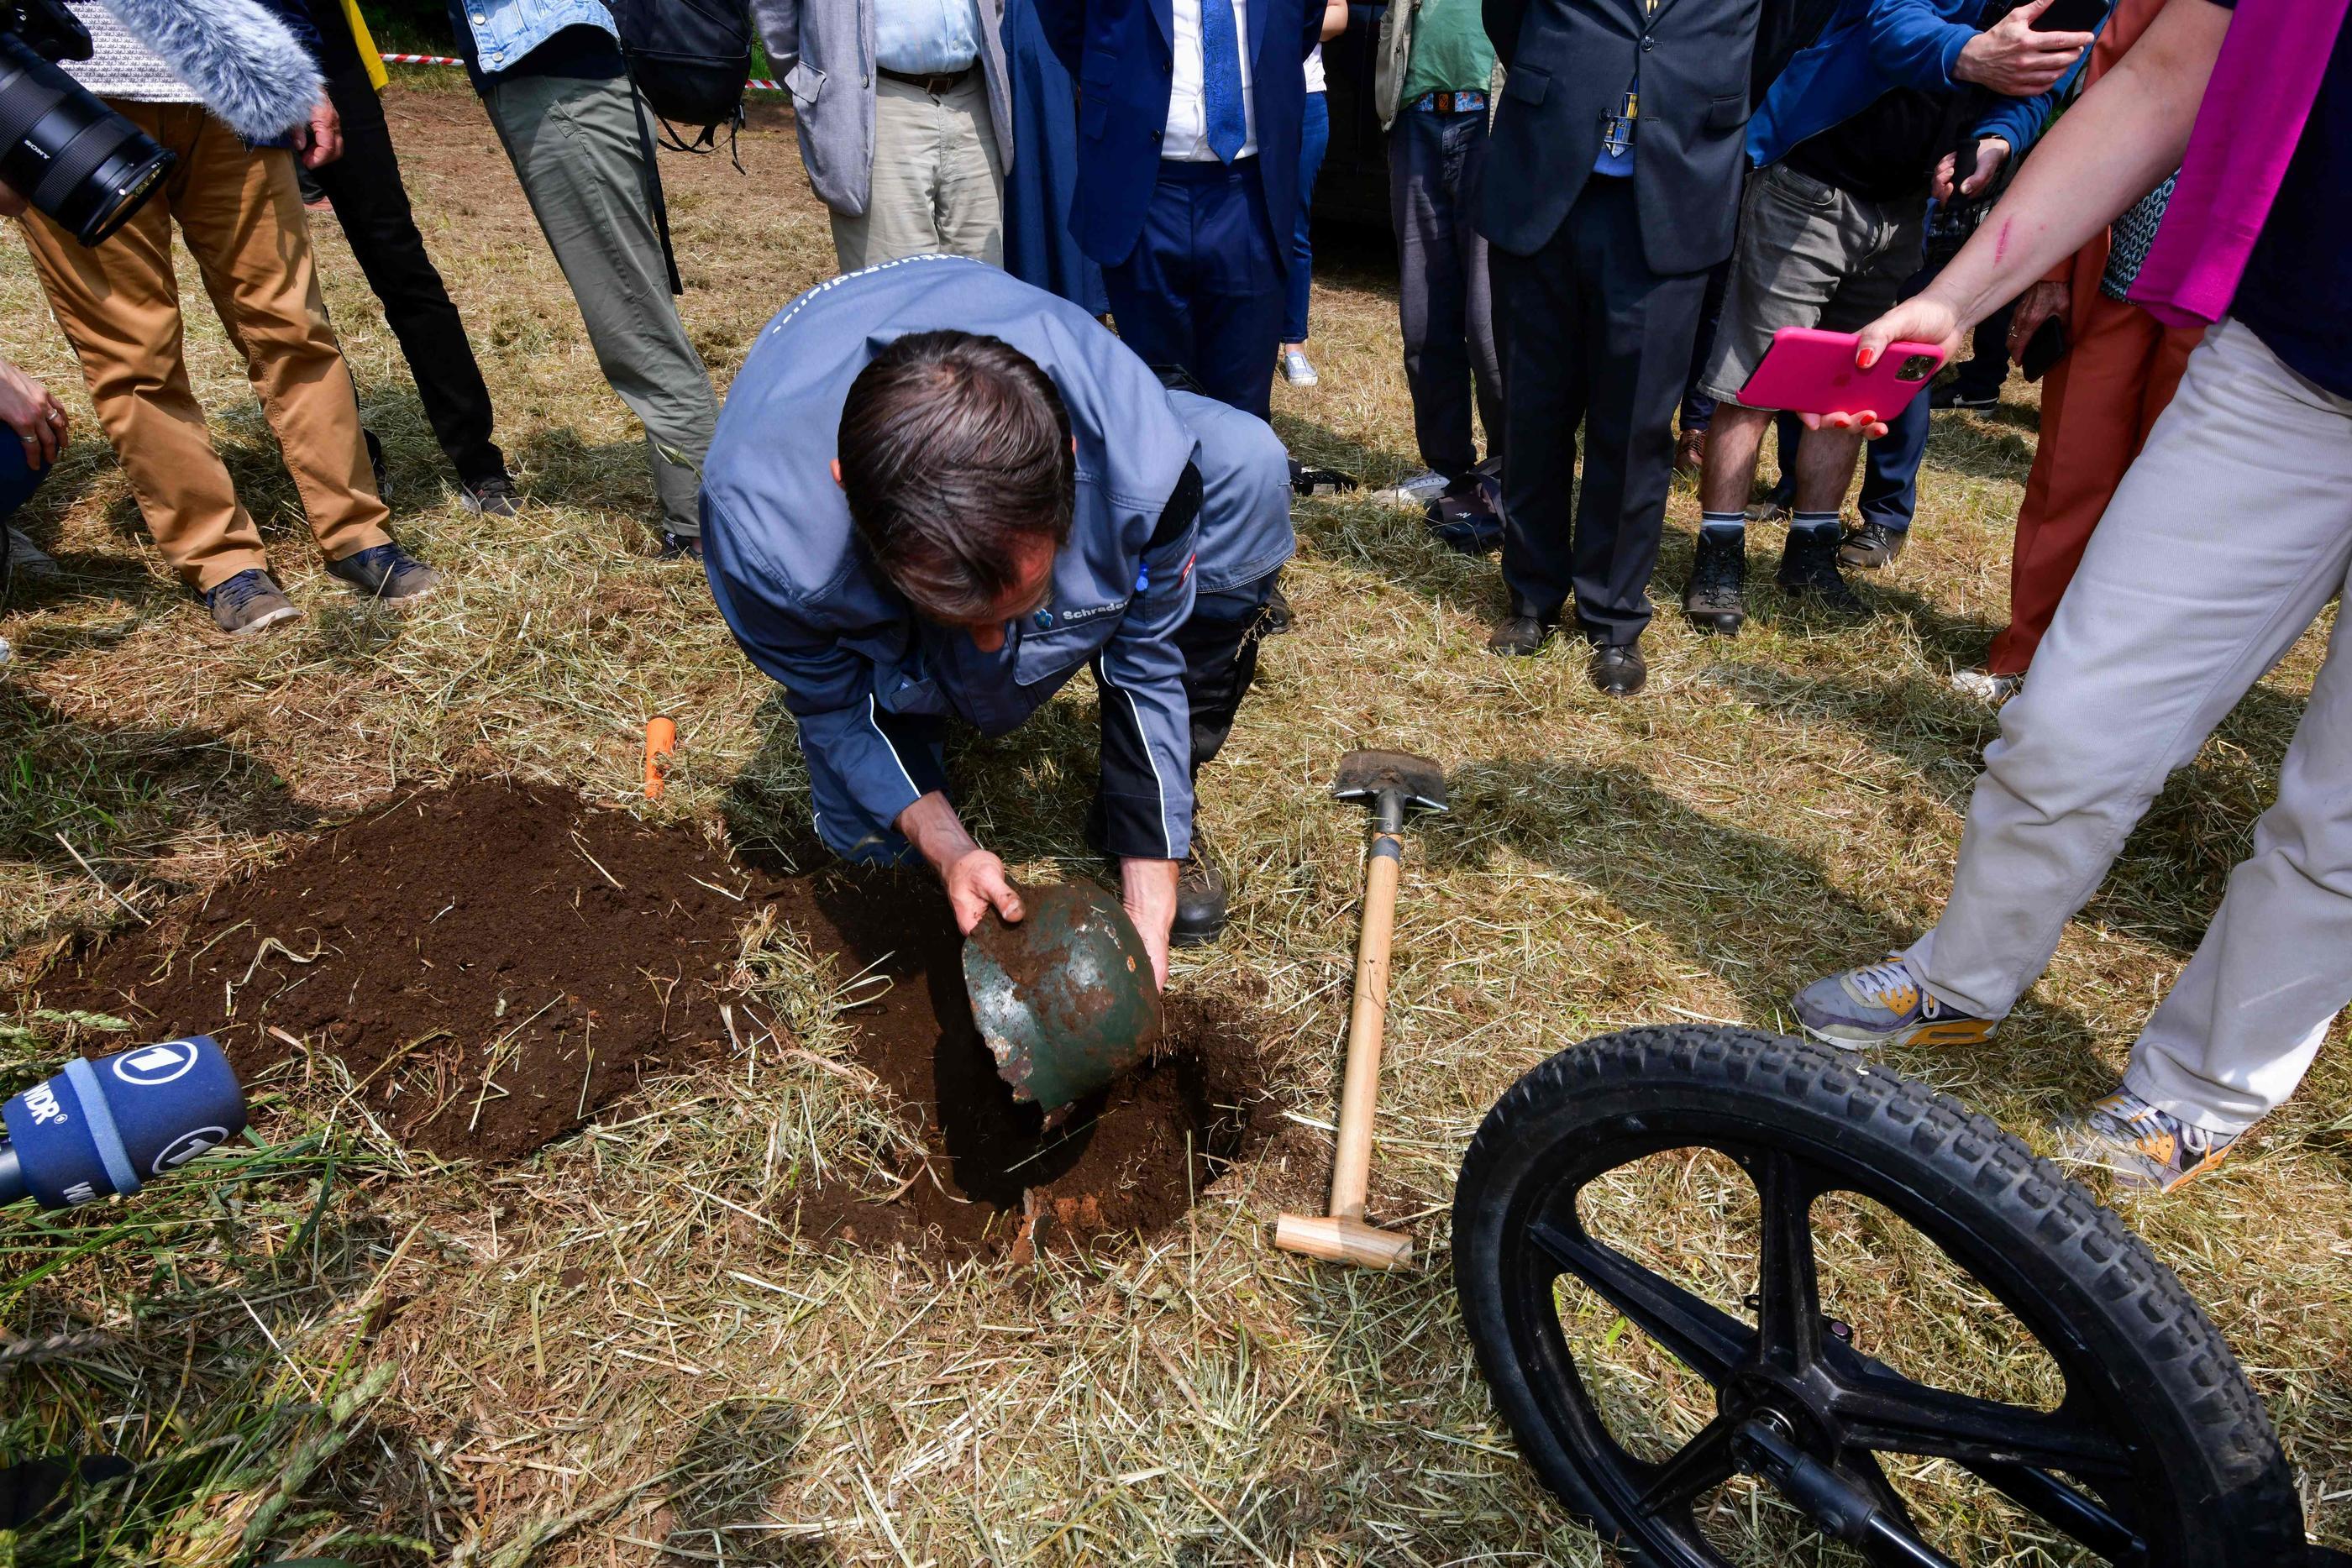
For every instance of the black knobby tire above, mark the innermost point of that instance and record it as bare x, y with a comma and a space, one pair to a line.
2208, 1486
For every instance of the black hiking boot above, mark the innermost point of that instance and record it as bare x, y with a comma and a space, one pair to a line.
1200, 904
1716, 598
1809, 573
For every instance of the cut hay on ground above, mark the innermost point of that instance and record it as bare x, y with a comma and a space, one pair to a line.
617, 1350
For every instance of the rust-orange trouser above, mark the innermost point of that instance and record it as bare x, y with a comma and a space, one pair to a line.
2097, 404
241, 212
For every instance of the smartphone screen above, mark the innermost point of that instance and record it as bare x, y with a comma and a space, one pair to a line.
2071, 17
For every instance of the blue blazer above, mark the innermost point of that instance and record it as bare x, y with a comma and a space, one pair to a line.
1121, 53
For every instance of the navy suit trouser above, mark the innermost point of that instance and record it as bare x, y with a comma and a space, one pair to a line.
1201, 291
1592, 337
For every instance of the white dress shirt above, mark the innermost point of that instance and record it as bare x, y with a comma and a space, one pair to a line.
1186, 138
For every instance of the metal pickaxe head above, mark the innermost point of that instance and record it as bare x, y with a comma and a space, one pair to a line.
1393, 782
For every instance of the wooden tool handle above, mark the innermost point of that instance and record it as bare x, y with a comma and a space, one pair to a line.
1351, 1171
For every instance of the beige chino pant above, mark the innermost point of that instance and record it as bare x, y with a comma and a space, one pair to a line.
241, 212
2225, 541
938, 182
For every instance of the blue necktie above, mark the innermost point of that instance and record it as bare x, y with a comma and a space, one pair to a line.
1220, 79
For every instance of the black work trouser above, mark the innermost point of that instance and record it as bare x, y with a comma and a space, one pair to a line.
1220, 647
372, 205
1591, 335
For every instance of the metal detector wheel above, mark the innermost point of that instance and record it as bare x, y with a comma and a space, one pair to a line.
2138, 1440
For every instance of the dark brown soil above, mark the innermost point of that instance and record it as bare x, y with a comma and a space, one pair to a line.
1133, 1158
495, 965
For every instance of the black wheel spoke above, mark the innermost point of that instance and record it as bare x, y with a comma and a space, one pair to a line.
1891, 1413
1787, 1289
1702, 1337
1703, 1464
2087, 1520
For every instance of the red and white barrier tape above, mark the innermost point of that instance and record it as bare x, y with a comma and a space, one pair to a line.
757, 84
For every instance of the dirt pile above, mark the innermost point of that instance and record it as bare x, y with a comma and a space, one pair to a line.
495, 965
492, 964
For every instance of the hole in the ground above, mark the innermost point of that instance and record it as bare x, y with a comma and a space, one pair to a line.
1133, 1157
495, 965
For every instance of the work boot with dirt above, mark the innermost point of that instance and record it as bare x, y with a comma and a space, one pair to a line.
1717, 597
1809, 573
1200, 904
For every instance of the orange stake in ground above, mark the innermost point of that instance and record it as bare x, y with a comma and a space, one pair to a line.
661, 744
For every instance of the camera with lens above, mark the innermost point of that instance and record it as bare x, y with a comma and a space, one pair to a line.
76, 160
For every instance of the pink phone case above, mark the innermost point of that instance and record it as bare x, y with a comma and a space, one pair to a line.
1812, 372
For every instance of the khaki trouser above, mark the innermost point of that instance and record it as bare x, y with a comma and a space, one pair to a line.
118, 305
2226, 540
938, 182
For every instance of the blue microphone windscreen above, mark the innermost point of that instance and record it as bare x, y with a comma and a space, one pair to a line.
106, 1126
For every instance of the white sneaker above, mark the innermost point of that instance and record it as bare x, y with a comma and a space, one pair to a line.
1297, 368
1986, 686
1414, 493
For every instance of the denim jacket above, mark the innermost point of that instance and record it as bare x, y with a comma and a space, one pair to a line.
507, 30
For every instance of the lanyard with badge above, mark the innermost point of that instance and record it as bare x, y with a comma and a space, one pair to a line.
1617, 129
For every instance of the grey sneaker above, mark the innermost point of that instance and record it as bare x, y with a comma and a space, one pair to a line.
2145, 1147
1298, 369
494, 497
248, 603
387, 574
28, 562
1884, 1004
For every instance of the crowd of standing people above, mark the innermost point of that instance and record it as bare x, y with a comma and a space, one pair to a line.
1605, 210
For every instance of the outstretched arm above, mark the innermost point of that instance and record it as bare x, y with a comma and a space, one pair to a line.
2112, 148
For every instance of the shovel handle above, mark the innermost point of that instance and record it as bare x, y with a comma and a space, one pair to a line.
1351, 1171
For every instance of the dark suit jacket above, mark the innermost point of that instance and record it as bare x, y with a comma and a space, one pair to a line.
1122, 55
1566, 63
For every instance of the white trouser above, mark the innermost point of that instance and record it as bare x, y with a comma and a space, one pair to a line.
2225, 541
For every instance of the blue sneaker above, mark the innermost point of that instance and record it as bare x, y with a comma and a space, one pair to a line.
248, 603
1884, 1004
387, 574
2145, 1147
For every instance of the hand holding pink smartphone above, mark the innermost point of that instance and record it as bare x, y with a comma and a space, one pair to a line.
1808, 370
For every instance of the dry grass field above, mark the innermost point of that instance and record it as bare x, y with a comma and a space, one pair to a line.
617, 1350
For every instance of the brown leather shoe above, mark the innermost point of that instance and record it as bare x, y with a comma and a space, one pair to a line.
1690, 451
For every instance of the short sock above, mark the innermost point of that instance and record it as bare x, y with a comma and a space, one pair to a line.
1723, 522
1803, 522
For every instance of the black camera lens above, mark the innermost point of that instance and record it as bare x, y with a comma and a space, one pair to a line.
75, 159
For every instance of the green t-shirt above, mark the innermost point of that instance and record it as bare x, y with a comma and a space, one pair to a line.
1450, 51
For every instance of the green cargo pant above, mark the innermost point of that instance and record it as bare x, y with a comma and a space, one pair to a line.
576, 147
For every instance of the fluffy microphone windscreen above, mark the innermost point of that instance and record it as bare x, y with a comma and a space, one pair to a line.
235, 54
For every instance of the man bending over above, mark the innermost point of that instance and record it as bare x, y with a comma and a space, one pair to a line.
937, 492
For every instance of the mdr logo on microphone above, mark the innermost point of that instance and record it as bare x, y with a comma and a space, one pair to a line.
156, 1064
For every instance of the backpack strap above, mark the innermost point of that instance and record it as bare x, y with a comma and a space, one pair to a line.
653, 202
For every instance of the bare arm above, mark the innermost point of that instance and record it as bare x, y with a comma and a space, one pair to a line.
1334, 19
975, 879
2125, 135
2108, 150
